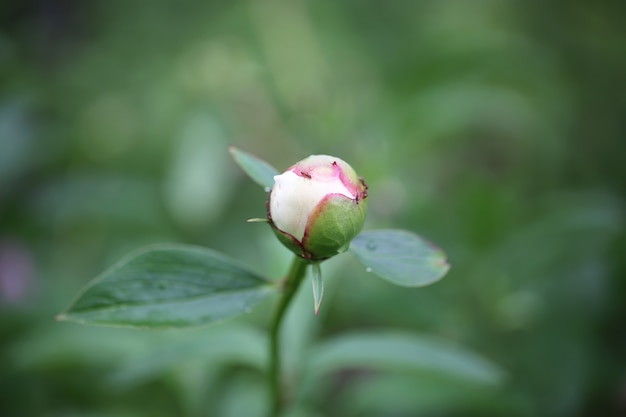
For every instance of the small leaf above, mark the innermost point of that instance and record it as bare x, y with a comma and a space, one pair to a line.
169, 286
318, 285
401, 352
257, 220
257, 169
400, 257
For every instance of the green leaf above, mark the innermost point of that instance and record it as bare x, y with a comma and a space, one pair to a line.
318, 285
169, 286
405, 394
400, 257
257, 169
403, 352
334, 223
193, 348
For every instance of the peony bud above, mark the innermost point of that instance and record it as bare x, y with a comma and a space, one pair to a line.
317, 206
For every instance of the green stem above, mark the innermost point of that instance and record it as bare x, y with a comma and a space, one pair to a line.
292, 281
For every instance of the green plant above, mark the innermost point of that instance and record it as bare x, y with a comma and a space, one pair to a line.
180, 286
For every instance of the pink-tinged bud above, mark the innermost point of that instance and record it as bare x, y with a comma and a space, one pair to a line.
317, 206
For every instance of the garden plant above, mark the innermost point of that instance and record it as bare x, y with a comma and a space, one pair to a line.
317, 209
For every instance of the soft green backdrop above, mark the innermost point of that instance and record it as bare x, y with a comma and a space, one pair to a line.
494, 128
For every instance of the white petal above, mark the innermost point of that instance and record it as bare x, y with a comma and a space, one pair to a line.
294, 198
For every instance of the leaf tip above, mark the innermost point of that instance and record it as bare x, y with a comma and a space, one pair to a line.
257, 220
317, 305
61, 317
236, 154
444, 265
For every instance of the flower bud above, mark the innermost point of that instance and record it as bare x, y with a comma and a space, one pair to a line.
317, 206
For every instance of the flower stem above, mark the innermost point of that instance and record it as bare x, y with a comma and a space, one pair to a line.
292, 281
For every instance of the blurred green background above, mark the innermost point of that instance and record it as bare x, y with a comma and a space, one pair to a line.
494, 128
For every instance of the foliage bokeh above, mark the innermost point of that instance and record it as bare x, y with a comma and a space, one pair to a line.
494, 128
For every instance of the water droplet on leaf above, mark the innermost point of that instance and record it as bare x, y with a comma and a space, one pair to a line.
371, 245
368, 269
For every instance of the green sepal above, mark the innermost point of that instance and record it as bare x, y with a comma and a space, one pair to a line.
333, 224
318, 285
289, 242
